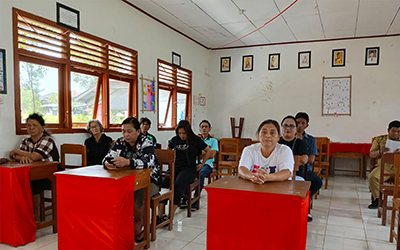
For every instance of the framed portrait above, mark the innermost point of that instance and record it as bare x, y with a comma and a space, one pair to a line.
176, 59
247, 64
225, 64
3, 82
338, 57
68, 17
274, 61
304, 60
372, 56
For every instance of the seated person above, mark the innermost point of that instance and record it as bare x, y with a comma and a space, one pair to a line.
288, 138
205, 128
145, 125
377, 149
98, 144
40, 146
267, 160
187, 146
135, 151
302, 119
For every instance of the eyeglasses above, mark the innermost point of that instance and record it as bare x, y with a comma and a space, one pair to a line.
92, 127
288, 126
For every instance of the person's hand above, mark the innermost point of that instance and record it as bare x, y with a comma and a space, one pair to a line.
383, 149
25, 160
110, 166
121, 162
263, 175
198, 167
255, 178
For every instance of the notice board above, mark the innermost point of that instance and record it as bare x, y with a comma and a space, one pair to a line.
336, 95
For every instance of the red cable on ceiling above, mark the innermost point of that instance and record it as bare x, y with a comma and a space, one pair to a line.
262, 26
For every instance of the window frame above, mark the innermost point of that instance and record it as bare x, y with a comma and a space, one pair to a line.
105, 72
174, 89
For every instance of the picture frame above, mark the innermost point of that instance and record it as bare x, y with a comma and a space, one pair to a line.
176, 59
225, 64
338, 57
68, 17
274, 61
247, 63
304, 60
372, 56
3, 78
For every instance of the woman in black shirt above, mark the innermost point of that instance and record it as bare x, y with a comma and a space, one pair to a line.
98, 144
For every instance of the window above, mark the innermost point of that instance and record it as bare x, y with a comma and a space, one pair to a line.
70, 78
174, 95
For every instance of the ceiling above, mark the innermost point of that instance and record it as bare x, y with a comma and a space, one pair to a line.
219, 24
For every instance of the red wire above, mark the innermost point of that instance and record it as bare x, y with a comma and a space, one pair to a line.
262, 26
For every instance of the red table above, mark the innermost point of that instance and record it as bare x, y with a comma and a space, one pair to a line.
350, 150
244, 215
17, 221
95, 208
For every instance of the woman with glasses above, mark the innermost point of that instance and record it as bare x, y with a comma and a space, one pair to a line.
267, 160
98, 144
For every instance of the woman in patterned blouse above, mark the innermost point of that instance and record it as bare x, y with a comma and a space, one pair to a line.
39, 146
135, 151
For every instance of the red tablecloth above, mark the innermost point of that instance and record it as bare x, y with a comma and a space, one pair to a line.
350, 147
254, 220
95, 213
17, 221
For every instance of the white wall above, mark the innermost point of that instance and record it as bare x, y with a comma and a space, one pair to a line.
263, 94
120, 23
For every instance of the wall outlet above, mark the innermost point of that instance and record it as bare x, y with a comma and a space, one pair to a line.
1, 100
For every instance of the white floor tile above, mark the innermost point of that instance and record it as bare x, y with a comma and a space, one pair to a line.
194, 246
345, 232
338, 243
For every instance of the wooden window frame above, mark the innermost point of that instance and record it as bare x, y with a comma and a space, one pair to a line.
174, 89
127, 63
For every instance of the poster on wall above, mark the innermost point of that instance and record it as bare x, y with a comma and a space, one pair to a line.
336, 95
3, 84
149, 95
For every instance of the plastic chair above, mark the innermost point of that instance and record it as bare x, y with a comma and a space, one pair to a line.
165, 157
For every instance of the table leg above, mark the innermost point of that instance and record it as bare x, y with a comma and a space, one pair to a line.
54, 204
146, 215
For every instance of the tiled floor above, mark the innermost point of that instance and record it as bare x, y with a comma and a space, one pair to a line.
341, 221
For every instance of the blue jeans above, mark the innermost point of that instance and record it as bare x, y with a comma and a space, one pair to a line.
204, 172
316, 182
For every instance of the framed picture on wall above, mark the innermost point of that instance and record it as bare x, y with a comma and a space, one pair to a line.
225, 64
68, 17
304, 60
247, 64
274, 61
3, 83
338, 57
372, 56
176, 59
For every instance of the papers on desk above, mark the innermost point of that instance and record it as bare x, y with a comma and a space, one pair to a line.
392, 145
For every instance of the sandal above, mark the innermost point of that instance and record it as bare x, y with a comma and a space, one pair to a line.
162, 219
137, 239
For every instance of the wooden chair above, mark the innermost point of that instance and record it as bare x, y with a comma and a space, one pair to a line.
213, 176
192, 194
228, 156
75, 149
165, 157
65, 149
296, 166
158, 146
386, 188
396, 204
322, 160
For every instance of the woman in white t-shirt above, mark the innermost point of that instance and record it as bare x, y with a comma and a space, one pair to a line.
267, 160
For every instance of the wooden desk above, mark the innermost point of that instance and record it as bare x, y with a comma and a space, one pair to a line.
349, 155
18, 225
96, 208
244, 215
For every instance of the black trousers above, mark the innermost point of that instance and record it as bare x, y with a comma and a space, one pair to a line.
183, 177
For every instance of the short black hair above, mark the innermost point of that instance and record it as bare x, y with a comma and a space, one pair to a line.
303, 115
209, 124
133, 121
289, 117
145, 119
37, 117
185, 125
394, 124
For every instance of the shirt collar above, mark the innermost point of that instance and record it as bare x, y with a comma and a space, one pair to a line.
305, 135
207, 138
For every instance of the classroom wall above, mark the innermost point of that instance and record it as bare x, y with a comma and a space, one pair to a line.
106, 19
261, 94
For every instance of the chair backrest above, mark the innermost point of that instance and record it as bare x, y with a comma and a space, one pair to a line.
74, 149
323, 147
397, 175
244, 142
373, 161
229, 149
296, 166
386, 158
167, 157
158, 146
